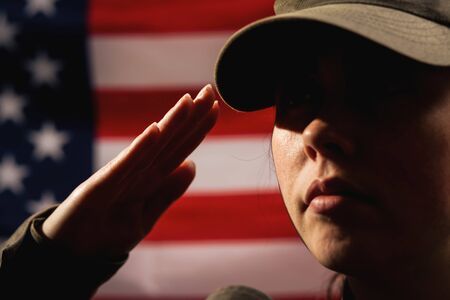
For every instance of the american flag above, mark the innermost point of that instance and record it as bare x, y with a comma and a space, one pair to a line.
79, 79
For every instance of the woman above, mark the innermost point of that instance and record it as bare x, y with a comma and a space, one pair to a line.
361, 142
361, 147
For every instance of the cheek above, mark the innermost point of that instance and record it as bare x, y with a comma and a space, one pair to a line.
437, 166
434, 154
413, 163
287, 150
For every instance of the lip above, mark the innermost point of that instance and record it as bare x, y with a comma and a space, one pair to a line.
332, 188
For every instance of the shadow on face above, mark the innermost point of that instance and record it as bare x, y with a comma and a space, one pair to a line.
340, 74
350, 109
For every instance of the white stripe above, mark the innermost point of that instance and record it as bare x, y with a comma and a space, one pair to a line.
226, 164
276, 267
155, 61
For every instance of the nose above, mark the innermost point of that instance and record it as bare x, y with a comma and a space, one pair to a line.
321, 140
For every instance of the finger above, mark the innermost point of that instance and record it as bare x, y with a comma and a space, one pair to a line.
201, 106
170, 123
122, 164
189, 143
166, 128
166, 163
206, 94
143, 143
176, 114
179, 112
144, 148
173, 187
172, 139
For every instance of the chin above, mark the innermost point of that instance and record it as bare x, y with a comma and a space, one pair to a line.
342, 252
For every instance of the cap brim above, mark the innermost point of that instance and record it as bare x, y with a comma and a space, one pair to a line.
250, 60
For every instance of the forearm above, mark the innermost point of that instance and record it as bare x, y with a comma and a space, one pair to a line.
31, 264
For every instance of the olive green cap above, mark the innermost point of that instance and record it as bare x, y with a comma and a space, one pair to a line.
253, 57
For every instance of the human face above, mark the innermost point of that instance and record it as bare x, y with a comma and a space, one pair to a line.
361, 147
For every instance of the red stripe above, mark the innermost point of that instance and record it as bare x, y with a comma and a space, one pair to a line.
127, 113
224, 217
147, 16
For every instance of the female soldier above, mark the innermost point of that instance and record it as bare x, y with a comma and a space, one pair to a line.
361, 142
361, 147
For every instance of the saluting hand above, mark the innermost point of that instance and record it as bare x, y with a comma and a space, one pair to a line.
113, 210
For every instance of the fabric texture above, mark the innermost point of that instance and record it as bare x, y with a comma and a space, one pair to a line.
238, 292
250, 61
34, 267
437, 10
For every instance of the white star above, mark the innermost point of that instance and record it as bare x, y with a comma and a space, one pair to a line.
47, 200
48, 142
47, 7
7, 33
12, 175
11, 107
44, 70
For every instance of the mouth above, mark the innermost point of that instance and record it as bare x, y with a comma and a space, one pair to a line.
326, 195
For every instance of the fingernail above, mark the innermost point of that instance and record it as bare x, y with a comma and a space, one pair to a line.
186, 96
203, 91
191, 164
152, 128
154, 125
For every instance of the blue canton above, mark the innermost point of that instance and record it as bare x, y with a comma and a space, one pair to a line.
46, 110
